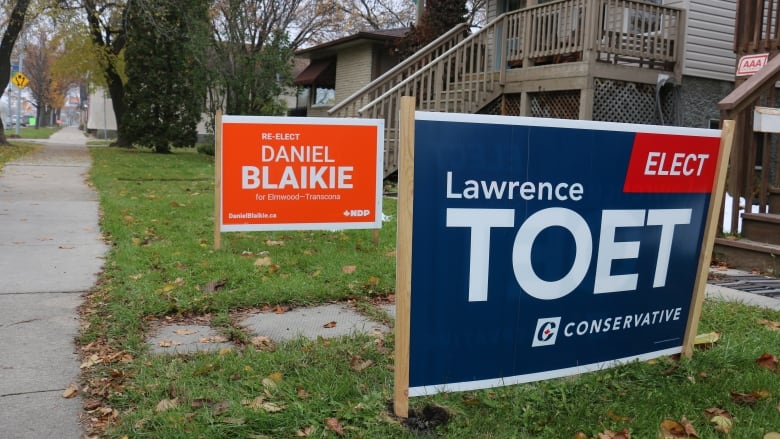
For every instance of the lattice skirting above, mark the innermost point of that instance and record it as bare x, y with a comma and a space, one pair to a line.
620, 101
613, 101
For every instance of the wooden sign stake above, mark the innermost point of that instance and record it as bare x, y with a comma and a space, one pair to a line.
403, 270
708, 240
217, 180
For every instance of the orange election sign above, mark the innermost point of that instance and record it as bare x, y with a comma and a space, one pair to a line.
282, 173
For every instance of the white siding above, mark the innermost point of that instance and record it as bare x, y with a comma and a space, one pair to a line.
709, 38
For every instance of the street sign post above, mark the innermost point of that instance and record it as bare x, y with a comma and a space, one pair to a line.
20, 80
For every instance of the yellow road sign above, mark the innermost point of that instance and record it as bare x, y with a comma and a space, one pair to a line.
20, 80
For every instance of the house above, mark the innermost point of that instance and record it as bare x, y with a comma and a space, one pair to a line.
340, 68
606, 60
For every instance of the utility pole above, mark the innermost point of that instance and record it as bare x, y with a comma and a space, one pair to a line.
19, 98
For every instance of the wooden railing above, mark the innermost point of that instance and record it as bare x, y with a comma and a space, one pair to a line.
349, 106
757, 27
638, 32
754, 169
467, 73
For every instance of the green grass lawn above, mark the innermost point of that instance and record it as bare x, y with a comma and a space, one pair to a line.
14, 151
32, 132
157, 216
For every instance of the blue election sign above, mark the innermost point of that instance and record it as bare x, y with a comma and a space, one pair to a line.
543, 248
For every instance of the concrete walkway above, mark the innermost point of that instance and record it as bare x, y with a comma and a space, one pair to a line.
50, 253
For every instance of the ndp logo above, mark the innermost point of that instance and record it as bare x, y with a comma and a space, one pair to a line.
546, 331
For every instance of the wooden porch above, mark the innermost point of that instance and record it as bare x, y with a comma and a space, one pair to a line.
579, 59
754, 174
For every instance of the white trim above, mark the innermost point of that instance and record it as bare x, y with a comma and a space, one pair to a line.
538, 376
564, 123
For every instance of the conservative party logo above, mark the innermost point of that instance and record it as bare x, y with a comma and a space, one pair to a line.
546, 331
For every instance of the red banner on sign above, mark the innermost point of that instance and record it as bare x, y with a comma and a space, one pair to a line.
672, 164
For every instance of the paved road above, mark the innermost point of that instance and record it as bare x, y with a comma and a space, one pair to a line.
50, 254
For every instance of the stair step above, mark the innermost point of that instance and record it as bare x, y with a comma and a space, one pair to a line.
761, 227
746, 254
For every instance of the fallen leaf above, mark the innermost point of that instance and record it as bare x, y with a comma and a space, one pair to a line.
772, 435
706, 341
221, 407
334, 425
618, 418
305, 431
270, 242
580, 435
136, 276
212, 287
213, 339
279, 309
185, 331
262, 342
722, 423
168, 343
263, 262
689, 429
357, 363
255, 403
775, 326
348, 269
309, 251
268, 383
302, 393
70, 391
276, 376
671, 429
749, 398
91, 361
270, 407
166, 404
225, 351
329, 325
373, 280
767, 361
233, 421
609, 434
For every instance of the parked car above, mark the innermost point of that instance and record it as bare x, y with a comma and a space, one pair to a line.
13, 118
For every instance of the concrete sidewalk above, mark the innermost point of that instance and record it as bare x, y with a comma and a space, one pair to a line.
50, 253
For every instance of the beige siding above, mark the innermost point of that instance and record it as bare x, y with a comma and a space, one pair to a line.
709, 38
353, 70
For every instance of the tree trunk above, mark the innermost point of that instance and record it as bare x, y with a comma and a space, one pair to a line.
14, 26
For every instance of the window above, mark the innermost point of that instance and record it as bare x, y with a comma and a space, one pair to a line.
324, 96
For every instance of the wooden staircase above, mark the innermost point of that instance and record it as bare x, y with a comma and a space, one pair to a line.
758, 247
556, 46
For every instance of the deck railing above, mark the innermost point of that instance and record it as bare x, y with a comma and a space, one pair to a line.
467, 73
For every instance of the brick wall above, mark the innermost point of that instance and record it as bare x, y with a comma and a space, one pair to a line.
353, 70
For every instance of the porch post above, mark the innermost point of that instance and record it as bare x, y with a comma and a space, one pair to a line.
586, 101
525, 104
